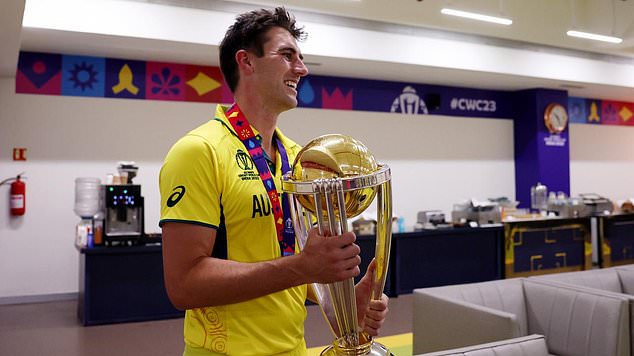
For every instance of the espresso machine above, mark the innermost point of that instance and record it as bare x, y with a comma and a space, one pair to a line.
123, 214
123, 208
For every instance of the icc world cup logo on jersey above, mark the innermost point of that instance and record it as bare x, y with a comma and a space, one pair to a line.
244, 161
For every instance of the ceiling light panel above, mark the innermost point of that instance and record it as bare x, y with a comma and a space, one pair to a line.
592, 36
476, 16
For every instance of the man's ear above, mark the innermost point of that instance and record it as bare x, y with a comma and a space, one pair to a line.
243, 58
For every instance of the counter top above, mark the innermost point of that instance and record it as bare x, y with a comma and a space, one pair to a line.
120, 250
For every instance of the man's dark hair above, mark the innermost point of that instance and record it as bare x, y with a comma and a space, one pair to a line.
248, 33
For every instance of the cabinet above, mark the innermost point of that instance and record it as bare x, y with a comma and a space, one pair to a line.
544, 246
432, 258
122, 284
616, 239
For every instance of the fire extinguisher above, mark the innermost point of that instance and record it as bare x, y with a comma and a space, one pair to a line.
17, 195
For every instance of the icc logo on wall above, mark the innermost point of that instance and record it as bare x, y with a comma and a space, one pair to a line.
409, 102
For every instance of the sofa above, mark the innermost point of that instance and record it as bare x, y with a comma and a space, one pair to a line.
616, 280
626, 276
531, 345
574, 321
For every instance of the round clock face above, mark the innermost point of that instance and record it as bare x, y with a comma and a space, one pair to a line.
556, 118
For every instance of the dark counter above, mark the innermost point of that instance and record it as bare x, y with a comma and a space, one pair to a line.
122, 284
616, 239
544, 246
439, 257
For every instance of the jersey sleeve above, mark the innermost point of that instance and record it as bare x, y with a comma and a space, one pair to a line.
190, 184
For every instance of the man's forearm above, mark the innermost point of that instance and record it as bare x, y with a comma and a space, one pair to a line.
213, 281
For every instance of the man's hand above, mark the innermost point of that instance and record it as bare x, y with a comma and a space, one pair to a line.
371, 313
327, 259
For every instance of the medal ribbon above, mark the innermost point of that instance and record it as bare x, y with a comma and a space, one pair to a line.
283, 221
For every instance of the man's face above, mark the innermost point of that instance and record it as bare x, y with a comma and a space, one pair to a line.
277, 72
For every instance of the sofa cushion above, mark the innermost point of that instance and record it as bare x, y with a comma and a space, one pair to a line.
626, 274
505, 295
442, 323
532, 345
604, 279
577, 322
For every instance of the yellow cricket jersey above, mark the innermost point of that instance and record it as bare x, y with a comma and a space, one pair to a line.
208, 178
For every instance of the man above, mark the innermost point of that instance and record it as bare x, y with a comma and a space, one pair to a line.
241, 279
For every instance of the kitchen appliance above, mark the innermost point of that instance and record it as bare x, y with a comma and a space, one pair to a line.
123, 213
89, 230
430, 219
364, 227
127, 171
597, 204
481, 213
568, 207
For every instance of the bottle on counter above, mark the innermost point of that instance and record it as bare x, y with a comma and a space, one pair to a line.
401, 224
87, 196
82, 232
539, 195
98, 228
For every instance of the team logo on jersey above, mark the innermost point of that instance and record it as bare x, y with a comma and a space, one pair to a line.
244, 161
176, 196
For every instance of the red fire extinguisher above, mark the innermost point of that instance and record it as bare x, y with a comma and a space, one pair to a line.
17, 195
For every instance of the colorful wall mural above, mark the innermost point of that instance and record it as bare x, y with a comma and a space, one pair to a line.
56, 74
69, 75
600, 112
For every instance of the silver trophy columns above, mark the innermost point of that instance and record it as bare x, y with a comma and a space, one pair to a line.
333, 179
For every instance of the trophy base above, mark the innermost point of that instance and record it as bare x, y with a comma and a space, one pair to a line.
370, 347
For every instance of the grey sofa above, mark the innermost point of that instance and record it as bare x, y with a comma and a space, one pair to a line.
626, 276
532, 345
575, 321
616, 280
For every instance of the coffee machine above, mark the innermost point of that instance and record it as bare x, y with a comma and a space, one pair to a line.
123, 214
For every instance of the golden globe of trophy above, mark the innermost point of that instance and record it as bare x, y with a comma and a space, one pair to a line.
335, 178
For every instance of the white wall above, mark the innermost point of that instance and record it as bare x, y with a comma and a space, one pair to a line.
69, 137
436, 161
602, 161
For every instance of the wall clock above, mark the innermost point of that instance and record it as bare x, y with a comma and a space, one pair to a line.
556, 118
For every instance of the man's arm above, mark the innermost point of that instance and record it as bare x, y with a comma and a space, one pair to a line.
194, 279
